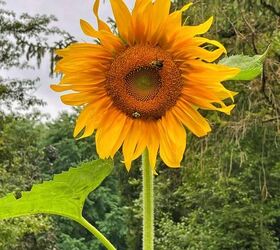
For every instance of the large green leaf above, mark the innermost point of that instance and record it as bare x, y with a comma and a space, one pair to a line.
64, 195
250, 66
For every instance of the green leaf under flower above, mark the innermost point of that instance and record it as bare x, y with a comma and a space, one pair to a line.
250, 66
64, 195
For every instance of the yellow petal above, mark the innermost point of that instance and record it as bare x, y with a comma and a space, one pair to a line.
95, 120
84, 50
140, 4
153, 144
82, 120
59, 88
203, 80
212, 91
109, 132
191, 31
77, 99
185, 7
107, 39
192, 52
175, 18
198, 41
197, 66
185, 34
205, 102
83, 78
88, 29
123, 19
130, 142
69, 65
90, 117
101, 25
143, 141
191, 118
159, 14
209, 73
141, 25
172, 140
79, 87
123, 135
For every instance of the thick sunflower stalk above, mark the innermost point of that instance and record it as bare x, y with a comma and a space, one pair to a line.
148, 203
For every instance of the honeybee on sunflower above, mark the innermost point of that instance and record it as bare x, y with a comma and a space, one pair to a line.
143, 87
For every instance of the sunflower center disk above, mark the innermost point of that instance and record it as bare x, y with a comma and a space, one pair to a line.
144, 82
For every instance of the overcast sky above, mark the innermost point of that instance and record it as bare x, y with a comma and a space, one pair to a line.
69, 13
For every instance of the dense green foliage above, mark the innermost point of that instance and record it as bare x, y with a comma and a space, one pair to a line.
226, 195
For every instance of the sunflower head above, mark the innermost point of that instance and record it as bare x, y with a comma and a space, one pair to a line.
141, 88
144, 82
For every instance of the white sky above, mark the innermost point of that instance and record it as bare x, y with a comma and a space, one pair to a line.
69, 13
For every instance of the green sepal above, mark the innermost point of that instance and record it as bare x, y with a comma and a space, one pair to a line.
250, 66
64, 195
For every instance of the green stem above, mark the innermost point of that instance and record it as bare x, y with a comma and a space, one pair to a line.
97, 234
148, 203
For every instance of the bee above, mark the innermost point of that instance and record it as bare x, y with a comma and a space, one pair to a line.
158, 64
136, 114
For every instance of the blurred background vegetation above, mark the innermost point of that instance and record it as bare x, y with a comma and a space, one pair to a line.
225, 196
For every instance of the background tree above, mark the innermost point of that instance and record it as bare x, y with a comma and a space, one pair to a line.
23, 41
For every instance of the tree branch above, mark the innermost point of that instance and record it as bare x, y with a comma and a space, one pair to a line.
270, 7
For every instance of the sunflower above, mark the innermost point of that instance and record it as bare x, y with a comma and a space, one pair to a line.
143, 87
